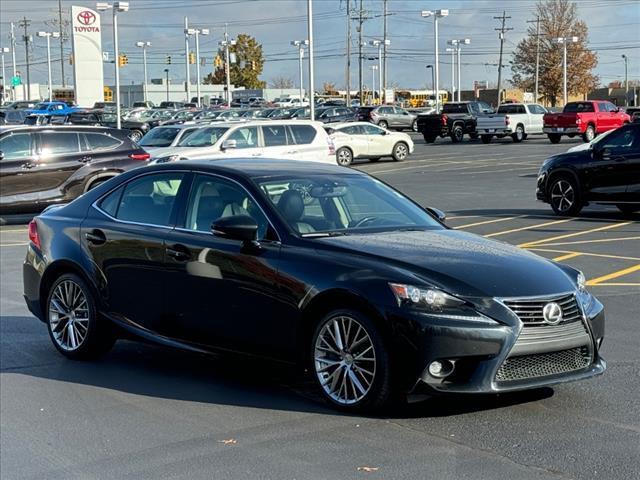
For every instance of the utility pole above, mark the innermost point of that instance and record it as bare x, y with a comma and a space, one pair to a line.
13, 60
360, 20
186, 59
383, 86
537, 22
312, 110
503, 29
348, 75
626, 81
61, 42
25, 23
226, 43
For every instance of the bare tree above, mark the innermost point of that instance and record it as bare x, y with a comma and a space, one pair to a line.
281, 82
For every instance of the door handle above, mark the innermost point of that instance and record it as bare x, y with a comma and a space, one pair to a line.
27, 166
178, 253
85, 159
96, 237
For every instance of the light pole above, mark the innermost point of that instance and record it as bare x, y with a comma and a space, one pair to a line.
453, 50
564, 41
143, 46
373, 83
116, 7
300, 44
312, 107
3, 50
196, 32
626, 81
166, 81
433, 77
380, 44
226, 43
459, 43
436, 14
48, 36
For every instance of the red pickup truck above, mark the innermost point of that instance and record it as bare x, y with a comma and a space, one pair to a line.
584, 118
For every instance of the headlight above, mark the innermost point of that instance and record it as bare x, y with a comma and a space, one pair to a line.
434, 302
584, 297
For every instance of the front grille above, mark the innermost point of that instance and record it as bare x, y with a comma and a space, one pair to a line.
543, 364
529, 311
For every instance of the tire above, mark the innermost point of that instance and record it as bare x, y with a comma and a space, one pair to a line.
486, 139
383, 124
414, 126
368, 378
344, 156
554, 137
519, 135
98, 335
136, 135
474, 135
429, 138
400, 151
589, 134
457, 134
564, 195
628, 208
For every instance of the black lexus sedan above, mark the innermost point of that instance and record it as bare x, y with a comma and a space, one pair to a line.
307, 263
606, 171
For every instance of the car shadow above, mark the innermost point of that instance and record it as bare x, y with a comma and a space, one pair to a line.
156, 371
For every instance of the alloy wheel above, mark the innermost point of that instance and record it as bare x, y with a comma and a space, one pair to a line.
345, 360
563, 196
69, 315
400, 152
344, 157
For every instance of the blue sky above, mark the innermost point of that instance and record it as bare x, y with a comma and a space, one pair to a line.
614, 29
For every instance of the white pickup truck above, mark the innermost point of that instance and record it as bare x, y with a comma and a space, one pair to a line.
515, 119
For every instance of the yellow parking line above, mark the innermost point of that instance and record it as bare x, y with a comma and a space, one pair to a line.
13, 244
567, 256
574, 234
528, 227
610, 276
485, 222
601, 240
601, 255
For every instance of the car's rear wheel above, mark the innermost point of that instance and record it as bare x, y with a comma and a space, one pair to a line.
628, 208
136, 135
589, 134
518, 135
383, 124
564, 196
400, 151
344, 156
486, 138
74, 325
350, 362
457, 134
554, 137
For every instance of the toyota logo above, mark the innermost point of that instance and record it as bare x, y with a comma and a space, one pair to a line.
86, 17
552, 313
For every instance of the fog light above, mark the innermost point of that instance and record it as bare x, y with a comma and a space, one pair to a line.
435, 368
441, 368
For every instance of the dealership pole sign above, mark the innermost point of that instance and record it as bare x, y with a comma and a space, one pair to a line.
88, 75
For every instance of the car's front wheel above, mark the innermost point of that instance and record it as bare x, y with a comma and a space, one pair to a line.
414, 126
74, 325
136, 135
383, 124
400, 151
344, 156
518, 135
350, 362
564, 196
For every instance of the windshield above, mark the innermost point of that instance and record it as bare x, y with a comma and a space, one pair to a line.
41, 106
204, 137
159, 137
324, 205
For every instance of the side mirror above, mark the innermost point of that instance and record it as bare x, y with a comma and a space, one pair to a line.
227, 144
439, 214
237, 227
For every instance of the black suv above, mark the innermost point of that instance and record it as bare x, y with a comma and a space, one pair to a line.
40, 166
136, 129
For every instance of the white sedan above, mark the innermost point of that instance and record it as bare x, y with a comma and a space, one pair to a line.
365, 140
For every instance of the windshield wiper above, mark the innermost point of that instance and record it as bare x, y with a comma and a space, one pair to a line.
324, 234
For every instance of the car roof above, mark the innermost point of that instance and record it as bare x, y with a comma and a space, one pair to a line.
346, 124
64, 127
266, 123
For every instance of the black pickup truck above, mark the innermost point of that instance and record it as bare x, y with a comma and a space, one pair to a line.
455, 120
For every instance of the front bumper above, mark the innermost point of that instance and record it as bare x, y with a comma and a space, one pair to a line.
561, 130
479, 352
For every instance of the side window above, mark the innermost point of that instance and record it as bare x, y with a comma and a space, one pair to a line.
59, 143
618, 141
372, 130
16, 146
245, 137
302, 134
212, 198
351, 130
475, 108
150, 199
274, 135
99, 142
109, 204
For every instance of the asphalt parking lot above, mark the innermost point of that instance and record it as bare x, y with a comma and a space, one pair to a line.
149, 412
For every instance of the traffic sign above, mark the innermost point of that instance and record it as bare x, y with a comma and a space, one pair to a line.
16, 81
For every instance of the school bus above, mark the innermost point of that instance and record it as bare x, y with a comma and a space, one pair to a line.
423, 98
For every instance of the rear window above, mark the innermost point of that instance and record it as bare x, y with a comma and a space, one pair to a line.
454, 108
101, 142
578, 107
302, 134
274, 135
513, 109
159, 137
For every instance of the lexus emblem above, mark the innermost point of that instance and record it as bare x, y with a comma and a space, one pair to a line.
552, 313
86, 17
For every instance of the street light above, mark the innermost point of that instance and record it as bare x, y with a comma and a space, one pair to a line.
564, 41
166, 74
458, 45
300, 44
373, 83
196, 32
453, 70
48, 36
626, 81
143, 46
3, 50
433, 77
116, 7
380, 44
226, 43
436, 14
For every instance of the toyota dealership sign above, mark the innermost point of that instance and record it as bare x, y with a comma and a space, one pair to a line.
87, 56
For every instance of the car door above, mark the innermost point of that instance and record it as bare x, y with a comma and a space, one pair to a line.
380, 141
536, 114
613, 165
223, 293
633, 169
355, 138
303, 136
124, 235
403, 118
277, 142
245, 143
18, 178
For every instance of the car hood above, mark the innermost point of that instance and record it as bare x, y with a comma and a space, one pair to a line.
461, 263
